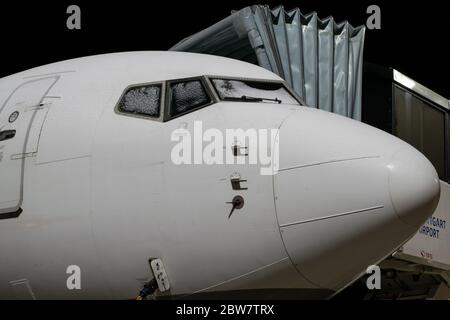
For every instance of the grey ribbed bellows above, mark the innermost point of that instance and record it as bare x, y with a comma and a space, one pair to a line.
319, 58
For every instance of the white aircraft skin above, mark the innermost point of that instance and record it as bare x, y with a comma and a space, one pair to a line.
98, 189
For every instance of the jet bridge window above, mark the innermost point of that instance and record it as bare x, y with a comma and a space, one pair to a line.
253, 91
142, 100
186, 96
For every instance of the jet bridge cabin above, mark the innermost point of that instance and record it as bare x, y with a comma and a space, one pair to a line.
399, 105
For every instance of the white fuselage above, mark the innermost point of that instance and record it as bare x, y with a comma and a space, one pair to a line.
81, 184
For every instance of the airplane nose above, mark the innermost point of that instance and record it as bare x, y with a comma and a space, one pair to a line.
414, 186
347, 195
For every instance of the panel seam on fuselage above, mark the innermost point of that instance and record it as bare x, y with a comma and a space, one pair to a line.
242, 275
333, 216
49, 74
327, 162
278, 220
61, 160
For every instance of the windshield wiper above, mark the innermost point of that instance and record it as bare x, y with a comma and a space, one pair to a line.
251, 99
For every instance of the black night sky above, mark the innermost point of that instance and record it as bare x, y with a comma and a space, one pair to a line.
414, 36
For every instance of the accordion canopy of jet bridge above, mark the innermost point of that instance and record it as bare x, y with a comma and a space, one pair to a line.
320, 59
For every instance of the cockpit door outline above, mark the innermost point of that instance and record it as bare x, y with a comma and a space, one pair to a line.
25, 101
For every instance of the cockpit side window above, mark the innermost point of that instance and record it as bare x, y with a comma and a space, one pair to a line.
186, 96
142, 100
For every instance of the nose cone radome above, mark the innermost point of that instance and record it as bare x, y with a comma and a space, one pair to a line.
414, 186
347, 195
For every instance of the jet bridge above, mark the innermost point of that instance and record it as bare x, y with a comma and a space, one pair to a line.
321, 59
403, 107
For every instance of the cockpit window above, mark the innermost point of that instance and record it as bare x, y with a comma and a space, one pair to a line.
186, 96
142, 100
253, 91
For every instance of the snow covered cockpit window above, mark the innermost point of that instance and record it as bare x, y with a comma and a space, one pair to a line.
142, 100
253, 91
187, 95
